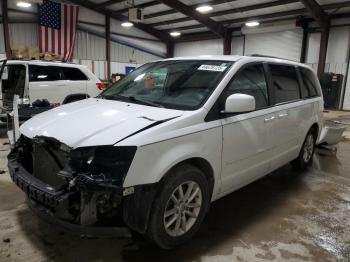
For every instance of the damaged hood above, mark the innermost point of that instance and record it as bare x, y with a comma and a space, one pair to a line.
94, 122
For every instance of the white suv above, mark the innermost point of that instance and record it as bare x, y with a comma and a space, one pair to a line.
58, 83
153, 150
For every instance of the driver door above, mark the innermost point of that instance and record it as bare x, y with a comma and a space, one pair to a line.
246, 148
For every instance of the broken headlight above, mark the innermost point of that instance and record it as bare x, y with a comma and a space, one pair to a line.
110, 162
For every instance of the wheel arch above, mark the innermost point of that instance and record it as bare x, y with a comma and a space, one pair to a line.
137, 215
202, 164
315, 129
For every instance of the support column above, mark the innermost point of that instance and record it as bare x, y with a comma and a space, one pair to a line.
227, 42
5, 20
170, 49
108, 47
323, 51
304, 42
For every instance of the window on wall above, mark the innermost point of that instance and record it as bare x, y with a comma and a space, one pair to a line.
285, 83
308, 81
250, 81
44, 73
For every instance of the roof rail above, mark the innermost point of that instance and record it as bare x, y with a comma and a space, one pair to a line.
268, 56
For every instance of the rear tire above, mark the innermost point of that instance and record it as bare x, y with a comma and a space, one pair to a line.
306, 152
180, 207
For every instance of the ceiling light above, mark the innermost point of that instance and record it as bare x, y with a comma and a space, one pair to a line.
252, 23
127, 24
175, 34
24, 4
204, 8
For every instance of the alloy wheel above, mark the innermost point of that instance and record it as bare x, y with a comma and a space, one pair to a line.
182, 209
308, 148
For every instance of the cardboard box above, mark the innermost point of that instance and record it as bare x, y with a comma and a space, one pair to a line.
20, 52
33, 53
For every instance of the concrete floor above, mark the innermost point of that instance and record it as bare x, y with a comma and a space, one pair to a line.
286, 216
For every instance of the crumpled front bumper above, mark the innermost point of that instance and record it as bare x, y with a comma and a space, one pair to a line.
44, 200
84, 231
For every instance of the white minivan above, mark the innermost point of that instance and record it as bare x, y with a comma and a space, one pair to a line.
151, 152
56, 82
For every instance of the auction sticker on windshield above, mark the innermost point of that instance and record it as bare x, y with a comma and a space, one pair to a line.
212, 68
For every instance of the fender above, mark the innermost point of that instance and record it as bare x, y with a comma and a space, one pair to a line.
148, 168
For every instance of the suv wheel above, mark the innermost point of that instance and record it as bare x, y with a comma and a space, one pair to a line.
307, 151
180, 207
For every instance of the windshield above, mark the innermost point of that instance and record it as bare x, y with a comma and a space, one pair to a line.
179, 84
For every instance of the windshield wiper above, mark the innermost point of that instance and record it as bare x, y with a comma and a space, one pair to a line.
134, 99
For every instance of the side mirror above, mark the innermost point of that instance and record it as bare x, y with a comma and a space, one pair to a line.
239, 103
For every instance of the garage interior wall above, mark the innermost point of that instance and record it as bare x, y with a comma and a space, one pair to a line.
90, 48
337, 56
206, 47
285, 44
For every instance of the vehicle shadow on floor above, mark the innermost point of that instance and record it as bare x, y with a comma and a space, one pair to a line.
223, 228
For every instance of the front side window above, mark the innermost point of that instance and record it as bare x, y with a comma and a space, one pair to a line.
176, 84
44, 73
308, 88
73, 74
285, 83
250, 81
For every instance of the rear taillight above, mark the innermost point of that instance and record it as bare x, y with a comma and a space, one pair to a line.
100, 86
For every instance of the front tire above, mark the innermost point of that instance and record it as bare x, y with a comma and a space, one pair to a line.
180, 207
306, 152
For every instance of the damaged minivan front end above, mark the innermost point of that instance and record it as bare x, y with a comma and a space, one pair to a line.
82, 186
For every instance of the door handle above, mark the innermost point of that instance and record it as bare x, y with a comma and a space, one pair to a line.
269, 119
282, 115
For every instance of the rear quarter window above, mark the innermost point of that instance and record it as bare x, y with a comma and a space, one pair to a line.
285, 83
308, 83
73, 74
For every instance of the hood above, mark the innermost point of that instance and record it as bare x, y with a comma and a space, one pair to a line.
93, 122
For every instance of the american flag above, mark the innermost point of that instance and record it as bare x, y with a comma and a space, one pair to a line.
57, 28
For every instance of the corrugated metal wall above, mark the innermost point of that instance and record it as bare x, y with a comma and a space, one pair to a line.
337, 52
206, 47
92, 47
284, 44
23, 34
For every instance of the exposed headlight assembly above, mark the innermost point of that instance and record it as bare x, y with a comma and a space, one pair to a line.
110, 163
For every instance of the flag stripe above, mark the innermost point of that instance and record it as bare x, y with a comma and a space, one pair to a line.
65, 29
46, 39
40, 38
59, 42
